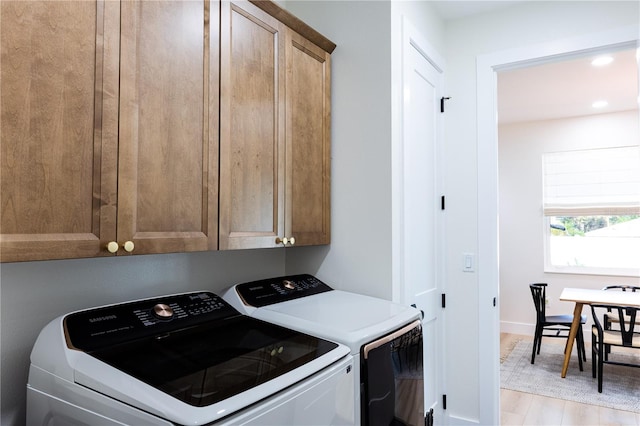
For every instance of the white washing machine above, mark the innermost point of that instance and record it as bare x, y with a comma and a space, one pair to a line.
385, 339
187, 359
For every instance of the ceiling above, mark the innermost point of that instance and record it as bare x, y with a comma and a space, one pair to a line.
564, 88
456, 9
568, 88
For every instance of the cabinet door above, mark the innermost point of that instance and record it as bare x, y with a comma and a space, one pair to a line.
168, 152
59, 128
308, 137
251, 128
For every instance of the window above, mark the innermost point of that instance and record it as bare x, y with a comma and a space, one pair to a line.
591, 206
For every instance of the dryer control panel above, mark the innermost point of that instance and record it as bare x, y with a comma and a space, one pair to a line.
280, 289
110, 325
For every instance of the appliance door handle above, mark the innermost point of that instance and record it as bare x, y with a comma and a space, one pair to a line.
389, 337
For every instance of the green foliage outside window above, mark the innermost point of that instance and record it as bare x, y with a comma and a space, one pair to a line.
579, 225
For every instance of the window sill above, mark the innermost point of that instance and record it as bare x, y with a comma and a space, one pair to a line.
575, 270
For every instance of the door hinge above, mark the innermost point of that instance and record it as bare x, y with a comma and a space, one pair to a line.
444, 300
442, 103
444, 402
442, 203
428, 418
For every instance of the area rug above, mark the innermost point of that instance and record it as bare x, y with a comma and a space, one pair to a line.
620, 389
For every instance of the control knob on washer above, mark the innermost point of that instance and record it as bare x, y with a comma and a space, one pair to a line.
163, 311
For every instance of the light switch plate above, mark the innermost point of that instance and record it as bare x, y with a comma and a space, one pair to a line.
468, 262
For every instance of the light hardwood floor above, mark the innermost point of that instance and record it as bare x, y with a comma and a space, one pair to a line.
519, 408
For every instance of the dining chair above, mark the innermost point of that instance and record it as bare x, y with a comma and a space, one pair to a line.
609, 319
553, 325
625, 336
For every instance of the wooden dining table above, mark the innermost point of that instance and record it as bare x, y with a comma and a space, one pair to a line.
583, 297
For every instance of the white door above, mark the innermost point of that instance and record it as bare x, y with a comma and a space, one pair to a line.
421, 207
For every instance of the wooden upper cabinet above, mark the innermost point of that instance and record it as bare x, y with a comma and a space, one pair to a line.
120, 121
109, 127
59, 128
251, 127
308, 138
168, 152
275, 129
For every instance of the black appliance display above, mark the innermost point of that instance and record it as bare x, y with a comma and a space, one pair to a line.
194, 347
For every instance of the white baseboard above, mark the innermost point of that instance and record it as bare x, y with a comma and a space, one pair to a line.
517, 328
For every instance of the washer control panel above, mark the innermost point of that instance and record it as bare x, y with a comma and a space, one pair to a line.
110, 325
280, 289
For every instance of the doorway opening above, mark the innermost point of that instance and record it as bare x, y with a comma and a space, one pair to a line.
488, 207
546, 111
549, 110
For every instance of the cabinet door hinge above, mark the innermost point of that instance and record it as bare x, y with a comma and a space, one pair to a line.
444, 300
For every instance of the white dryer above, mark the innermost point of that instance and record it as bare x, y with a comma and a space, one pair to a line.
187, 359
385, 339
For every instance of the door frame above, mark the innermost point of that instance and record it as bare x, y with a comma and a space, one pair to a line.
487, 67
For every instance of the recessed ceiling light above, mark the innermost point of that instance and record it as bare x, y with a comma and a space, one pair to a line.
599, 104
602, 61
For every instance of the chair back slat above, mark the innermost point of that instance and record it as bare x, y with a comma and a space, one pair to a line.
627, 329
626, 318
630, 288
603, 340
538, 292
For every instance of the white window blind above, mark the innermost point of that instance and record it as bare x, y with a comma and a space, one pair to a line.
592, 182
